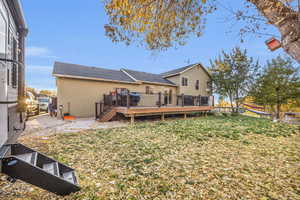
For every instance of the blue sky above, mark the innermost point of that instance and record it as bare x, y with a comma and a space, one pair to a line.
72, 31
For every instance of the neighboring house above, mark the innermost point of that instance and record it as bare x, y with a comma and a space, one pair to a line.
79, 87
13, 31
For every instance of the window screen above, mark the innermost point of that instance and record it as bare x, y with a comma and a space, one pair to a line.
2, 36
14, 73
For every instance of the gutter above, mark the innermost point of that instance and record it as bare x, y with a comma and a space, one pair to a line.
157, 83
93, 79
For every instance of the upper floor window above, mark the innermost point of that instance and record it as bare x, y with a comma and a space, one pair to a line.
147, 89
184, 81
209, 84
197, 85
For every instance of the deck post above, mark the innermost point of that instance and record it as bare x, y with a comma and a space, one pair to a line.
200, 103
96, 111
163, 117
131, 119
117, 104
184, 116
159, 99
101, 107
128, 99
182, 99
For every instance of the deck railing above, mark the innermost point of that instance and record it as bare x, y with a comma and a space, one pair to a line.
138, 99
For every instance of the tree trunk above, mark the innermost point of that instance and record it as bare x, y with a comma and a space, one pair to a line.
286, 20
231, 103
278, 104
278, 111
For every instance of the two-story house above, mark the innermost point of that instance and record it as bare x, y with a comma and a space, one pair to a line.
79, 87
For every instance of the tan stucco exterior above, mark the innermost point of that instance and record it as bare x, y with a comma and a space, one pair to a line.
78, 96
193, 74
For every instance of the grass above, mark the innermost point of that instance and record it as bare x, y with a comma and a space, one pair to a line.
197, 158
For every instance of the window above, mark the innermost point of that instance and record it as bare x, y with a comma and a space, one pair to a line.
8, 75
184, 81
14, 73
2, 36
197, 85
209, 85
14, 76
147, 89
170, 97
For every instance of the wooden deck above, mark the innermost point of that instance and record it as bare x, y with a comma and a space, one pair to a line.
162, 111
144, 111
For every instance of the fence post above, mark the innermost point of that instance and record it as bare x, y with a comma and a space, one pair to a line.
128, 99
182, 99
96, 111
213, 101
159, 99
117, 103
110, 99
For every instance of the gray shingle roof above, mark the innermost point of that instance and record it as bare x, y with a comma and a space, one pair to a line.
148, 77
176, 71
89, 72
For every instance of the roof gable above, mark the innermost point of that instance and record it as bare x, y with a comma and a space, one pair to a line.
147, 77
182, 70
175, 71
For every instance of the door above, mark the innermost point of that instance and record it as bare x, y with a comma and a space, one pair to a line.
166, 96
3, 81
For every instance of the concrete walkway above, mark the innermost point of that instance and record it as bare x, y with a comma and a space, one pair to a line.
45, 125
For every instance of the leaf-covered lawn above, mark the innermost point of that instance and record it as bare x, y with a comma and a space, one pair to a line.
197, 158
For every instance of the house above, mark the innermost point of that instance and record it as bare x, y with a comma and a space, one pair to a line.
13, 31
79, 87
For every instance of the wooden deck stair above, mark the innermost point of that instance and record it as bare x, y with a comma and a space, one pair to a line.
108, 115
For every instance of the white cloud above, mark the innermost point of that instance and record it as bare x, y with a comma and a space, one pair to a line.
43, 52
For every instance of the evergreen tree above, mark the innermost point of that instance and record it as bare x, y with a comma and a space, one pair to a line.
277, 85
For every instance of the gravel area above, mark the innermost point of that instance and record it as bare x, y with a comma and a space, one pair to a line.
45, 125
